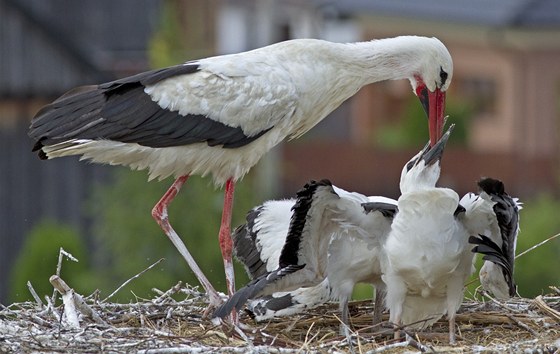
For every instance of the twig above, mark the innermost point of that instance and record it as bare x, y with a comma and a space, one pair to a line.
521, 324
388, 347
416, 344
131, 279
537, 245
168, 293
61, 254
484, 293
543, 306
291, 326
306, 340
556, 290
50, 307
34, 294
38, 320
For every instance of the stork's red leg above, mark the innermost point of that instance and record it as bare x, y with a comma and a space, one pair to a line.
159, 213
226, 243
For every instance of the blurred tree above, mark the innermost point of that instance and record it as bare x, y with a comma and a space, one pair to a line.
128, 239
167, 45
38, 259
186, 31
540, 268
411, 130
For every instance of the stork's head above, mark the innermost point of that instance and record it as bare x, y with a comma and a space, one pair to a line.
423, 170
430, 81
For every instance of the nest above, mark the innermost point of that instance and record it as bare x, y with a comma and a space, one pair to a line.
166, 325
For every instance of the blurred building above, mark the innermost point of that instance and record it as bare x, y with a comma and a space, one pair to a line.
46, 48
506, 69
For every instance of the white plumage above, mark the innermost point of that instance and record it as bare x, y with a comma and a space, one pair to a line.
218, 116
339, 242
427, 254
285, 89
424, 255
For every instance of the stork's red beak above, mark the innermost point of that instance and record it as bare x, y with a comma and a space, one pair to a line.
434, 105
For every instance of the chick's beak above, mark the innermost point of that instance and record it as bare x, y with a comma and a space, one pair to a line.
434, 153
434, 106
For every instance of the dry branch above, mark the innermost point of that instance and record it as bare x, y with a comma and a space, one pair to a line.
547, 309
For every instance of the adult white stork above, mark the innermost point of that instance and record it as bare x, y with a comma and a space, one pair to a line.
427, 254
218, 116
330, 243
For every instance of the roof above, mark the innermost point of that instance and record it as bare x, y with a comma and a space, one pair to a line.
494, 13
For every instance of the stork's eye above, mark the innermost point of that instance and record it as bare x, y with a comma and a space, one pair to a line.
442, 75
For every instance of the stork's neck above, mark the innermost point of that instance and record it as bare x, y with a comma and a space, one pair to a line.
420, 178
384, 59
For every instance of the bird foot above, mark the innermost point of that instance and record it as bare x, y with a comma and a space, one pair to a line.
345, 331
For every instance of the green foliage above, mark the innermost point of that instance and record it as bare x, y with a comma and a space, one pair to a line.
131, 240
166, 46
411, 130
540, 268
38, 259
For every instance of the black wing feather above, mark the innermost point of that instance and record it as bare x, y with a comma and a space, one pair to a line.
289, 257
493, 253
245, 245
290, 251
507, 214
121, 111
388, 210
255, 288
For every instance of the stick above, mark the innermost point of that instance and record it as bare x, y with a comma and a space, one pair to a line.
543, 306
388, 347
131, 279
416, 344
78, 301
168, 293
537, 245
502, 305
61, 253
34, 294
521, 324
68, 300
